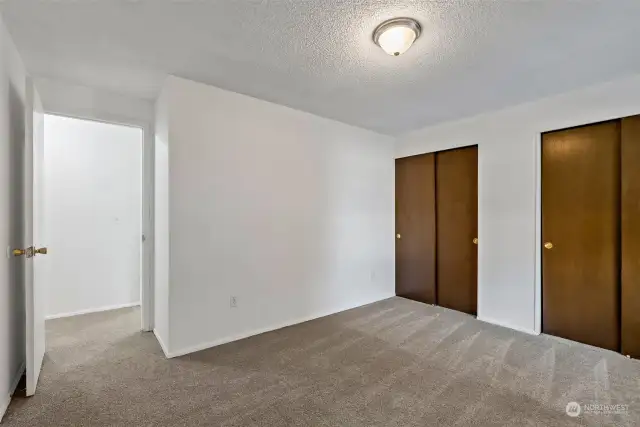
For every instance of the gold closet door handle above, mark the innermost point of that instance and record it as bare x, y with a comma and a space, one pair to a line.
398, 236
548, 245
42, 251
475, 240
19, 252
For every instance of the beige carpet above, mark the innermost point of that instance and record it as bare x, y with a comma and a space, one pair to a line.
393, 363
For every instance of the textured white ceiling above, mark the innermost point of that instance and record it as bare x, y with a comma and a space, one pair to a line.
317, 55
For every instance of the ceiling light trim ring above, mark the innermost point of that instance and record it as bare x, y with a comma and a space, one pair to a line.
410, 23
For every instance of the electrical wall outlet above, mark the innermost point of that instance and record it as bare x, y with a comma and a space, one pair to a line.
233, 302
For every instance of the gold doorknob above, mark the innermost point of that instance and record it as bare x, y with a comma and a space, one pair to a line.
398, 236
475, 240
41, 251
28, 252
548, 245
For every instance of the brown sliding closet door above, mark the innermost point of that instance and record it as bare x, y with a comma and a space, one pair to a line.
581, 234
631, 236
457, 228
416, 228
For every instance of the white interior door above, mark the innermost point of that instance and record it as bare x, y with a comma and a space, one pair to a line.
34, 262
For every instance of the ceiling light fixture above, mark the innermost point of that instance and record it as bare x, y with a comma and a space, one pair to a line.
396, 35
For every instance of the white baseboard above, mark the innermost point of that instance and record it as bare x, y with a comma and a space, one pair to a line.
163, 346
14, 383
92, 310
225, 340
504, 325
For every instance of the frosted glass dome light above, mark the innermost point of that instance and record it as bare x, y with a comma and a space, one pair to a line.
396, 36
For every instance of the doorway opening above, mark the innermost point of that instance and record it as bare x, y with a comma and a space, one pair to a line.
83, 262
93, 220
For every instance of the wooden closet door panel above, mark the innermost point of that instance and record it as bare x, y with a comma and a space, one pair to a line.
581, 219
630, 291
416, 228
457, 226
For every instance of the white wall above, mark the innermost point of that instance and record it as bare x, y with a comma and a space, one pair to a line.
291, 213
93, 206
12, 136
509, 188
72, 100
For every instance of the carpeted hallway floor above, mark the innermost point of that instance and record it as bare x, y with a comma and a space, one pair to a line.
393, 363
